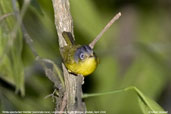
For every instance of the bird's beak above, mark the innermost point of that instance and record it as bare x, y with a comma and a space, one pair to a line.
91, 55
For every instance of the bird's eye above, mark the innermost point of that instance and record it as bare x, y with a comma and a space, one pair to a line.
82, 56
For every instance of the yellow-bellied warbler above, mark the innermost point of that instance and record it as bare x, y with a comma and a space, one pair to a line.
81, 59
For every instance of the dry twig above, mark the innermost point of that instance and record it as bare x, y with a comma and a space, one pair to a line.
116, 17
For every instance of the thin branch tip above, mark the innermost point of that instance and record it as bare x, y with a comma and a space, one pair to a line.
119, 14
116, 17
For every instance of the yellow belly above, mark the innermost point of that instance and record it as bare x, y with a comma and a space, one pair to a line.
84, 68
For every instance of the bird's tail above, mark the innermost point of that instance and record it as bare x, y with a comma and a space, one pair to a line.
68, 38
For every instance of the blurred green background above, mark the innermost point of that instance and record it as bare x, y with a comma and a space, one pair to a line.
135, 51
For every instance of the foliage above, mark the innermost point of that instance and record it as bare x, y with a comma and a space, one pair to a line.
134, 52
11, 66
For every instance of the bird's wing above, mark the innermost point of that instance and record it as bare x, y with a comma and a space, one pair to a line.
68, 38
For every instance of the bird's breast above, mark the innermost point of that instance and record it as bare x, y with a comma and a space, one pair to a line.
84, 68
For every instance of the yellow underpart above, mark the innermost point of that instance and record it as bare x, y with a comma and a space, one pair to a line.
84, 68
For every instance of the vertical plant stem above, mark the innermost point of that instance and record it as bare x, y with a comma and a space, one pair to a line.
63, 22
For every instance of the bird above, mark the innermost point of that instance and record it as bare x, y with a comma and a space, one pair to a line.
78, 59
81, 59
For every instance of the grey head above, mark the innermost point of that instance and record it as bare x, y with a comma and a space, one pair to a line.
83, 52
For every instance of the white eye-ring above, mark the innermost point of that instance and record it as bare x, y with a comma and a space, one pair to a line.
82, 56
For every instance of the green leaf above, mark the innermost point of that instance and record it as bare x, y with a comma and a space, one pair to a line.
146, 104
154, 107
11, 66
